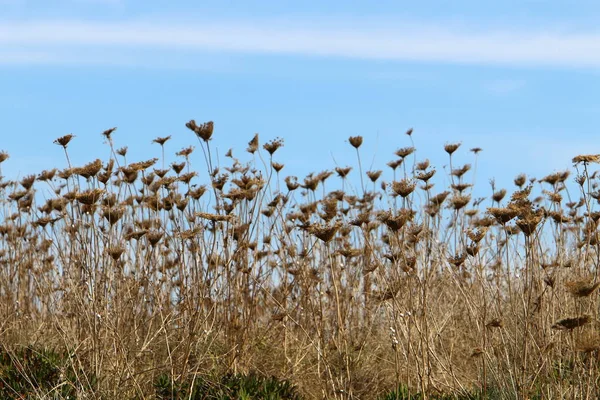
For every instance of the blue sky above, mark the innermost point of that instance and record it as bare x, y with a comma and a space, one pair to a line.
517, 78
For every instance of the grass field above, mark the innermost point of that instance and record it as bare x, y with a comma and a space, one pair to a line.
142, 279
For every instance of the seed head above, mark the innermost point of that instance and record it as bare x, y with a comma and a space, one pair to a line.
451, 147
355, 141
253, 144
161, 140
64, 140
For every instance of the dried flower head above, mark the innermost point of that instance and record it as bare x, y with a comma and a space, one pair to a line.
404, 187
203, 131
3, 156
451, 147
272, 146
374, 175
253, 144
405, 152
161, 140
185, 152
586, 159
572, 323
355, 141
342, 172
582, 287
108, 132
64, 140
395, 164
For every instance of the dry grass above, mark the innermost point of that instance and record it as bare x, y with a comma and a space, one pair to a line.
139, 270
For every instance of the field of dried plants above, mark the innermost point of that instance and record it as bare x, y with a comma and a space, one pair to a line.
138, 269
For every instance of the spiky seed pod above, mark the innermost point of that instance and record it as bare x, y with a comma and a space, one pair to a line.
122, 151
4, 156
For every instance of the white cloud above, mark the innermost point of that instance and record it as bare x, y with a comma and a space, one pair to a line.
411, 43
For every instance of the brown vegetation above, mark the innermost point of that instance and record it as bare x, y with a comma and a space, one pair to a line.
139, 270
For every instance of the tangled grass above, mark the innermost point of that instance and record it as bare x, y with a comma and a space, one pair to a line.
139, 272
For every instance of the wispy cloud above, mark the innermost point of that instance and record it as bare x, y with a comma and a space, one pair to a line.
426, 43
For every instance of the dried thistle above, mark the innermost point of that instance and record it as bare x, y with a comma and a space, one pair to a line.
4, 156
